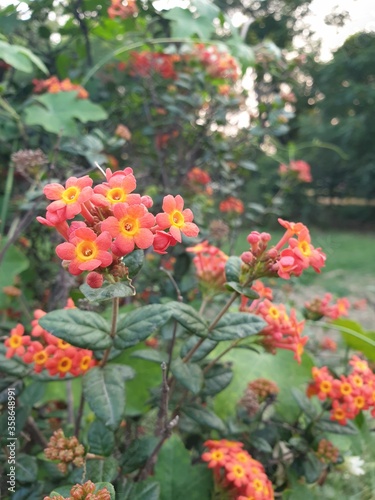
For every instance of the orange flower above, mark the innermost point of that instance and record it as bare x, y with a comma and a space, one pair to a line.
176, 218
17, 341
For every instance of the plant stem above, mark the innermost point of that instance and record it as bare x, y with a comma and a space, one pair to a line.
115, 308
214, 361
6, 199
79, 415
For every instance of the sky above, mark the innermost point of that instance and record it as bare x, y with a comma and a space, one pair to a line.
361, 12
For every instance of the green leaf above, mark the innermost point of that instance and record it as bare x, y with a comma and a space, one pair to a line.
204, 417
26, 468
58, 113
14, 366
312, 467
101, 470
61, 491
356, 337
107, 291
177, 477
234, 326
205, 348
100, 439
137, 325
80, 328
144, 490
138, 452
104, 391
233, 269
327, 425
134, 262
243, 290
20, 58
280, 368
12, 264
151, 355
186, 24
187, 374
304, 403
217, 379
189, 318
32, 394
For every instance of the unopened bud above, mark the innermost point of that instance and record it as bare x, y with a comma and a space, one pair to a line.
247, 257
94, 280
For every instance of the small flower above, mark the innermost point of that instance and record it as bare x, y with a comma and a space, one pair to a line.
116, 190
70, 198
17, 341
86, 251
176, 218
354, 465
130, 226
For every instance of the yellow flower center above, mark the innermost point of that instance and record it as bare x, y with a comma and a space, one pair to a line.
15, 341
258, 485
71, 194
305, 248
359, 402
346, 389
273, 312
64, 365
86, 250
176, 218
61, 344
242, 457
85, 363
40, 358
217, 455
238, 471
325, 386
116, 195
129, 226
339, 414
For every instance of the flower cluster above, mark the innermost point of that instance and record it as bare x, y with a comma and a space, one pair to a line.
232, 205
53, 86
84, 491
298, 168
283, 330
257, 392
209, 262
236, 471
321, 307
349, 394
198, 178
299, 255
116, 221
65, 450
147, 63
122, 9
46, 352
217, 63
327, 452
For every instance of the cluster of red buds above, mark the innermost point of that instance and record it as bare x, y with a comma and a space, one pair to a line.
209, 262
298, 256
53, 86
122, 9
198, 180
349, 394
298, 168
232, 205
145, 64
116, 221
327, 452
324, 306
84, 491
65, 450
217, 63
236, 472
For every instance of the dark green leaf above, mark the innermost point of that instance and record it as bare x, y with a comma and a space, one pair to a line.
134, 262
312, 467
144, 490
26, 468
234, 326
233, 269
205, 348
260, 444
331, 426
13, 366
100, 439
104, 391
304, 403
204, 417
108, 486
102, 470
32, 394
80, 328
356, 337
107, 291
189, 318
139, 324
187, 374
243, 290
137, 453
151, 355
217, 379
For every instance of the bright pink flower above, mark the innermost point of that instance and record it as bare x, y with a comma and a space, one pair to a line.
117, 190
17, 341
176, 218
109, 174
86, 250
70, 198
310, 256
130, 226
162, 241
289, 264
